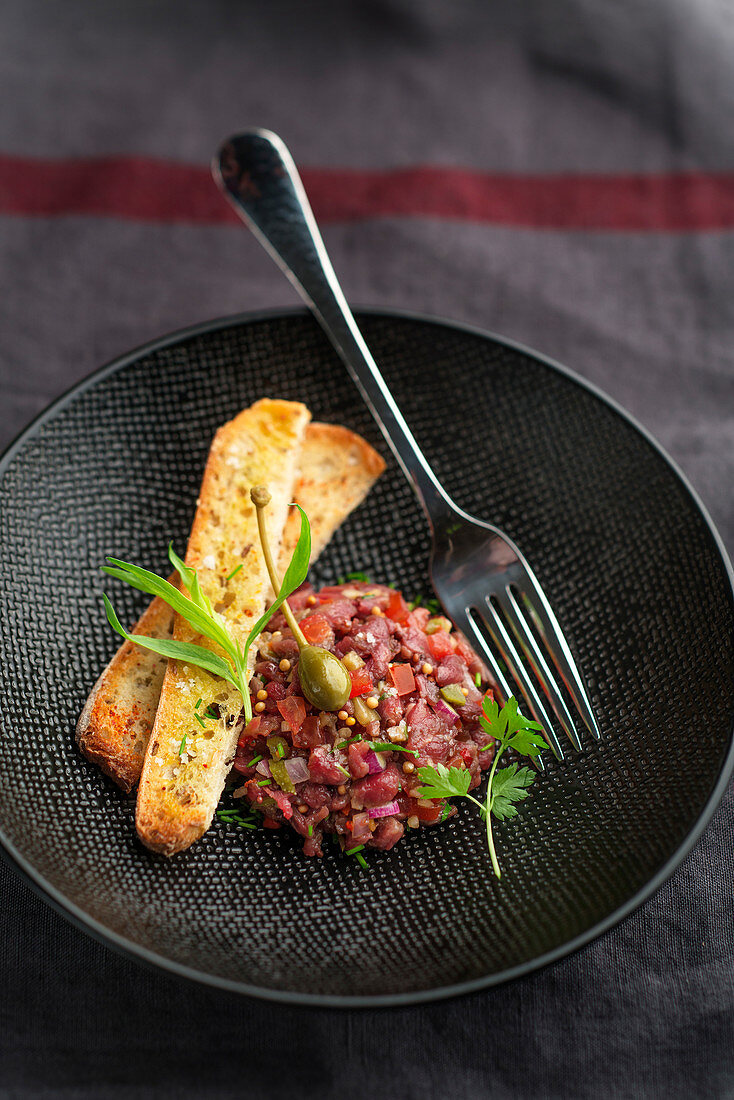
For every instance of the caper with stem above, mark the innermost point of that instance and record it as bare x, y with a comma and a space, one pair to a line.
325, 681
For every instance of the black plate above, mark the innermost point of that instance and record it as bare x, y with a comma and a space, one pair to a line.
626, 553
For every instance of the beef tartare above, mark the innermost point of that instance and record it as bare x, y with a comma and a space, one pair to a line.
415, 701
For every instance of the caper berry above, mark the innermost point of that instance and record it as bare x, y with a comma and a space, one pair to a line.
324, 680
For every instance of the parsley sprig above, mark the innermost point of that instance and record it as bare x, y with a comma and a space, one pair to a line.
506, 786
197, 610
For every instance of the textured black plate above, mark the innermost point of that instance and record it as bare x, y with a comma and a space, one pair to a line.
624, 550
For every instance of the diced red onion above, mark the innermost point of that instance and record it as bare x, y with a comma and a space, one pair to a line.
375, 762
445, 711
297, 769
385, 811
263, 768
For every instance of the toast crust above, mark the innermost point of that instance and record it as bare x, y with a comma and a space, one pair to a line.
336, 470
187, 761
114, 728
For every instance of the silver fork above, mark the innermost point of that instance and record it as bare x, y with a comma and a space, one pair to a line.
482, 580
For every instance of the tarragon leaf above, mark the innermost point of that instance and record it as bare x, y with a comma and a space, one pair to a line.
178, 651
153, 585
191, 579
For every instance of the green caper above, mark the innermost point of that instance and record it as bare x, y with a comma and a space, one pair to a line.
324, 680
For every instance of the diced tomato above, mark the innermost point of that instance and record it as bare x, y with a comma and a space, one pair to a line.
440, 644
465, 651
403, 679
397, 608
361, 682
293, 710
429, 814
316, 629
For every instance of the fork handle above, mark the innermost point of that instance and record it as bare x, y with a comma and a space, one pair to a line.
258, 176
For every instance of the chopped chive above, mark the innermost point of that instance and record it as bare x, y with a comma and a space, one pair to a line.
182, 746
264, 783
478, 679
358, 577
234, 571
198, 703
280, 750
200, 720
233, 816
254, 760
387, 746
361, 861
310, 830
209, 713
356, 848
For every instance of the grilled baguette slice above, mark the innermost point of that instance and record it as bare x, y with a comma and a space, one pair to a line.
114, 727
336, 470
189, 753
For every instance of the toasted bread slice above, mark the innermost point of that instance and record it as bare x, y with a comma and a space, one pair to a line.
114, 727
336, 470
189, 753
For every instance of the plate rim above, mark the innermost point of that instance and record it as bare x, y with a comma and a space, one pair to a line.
127, 948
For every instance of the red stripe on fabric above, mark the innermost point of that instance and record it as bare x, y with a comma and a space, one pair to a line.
148, 190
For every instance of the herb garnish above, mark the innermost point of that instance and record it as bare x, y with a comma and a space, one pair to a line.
234, 572
388, 746
182, 746
350, 741
233, 815
197, 610
511, 730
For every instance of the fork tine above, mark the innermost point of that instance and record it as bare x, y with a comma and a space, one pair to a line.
513, 661
550, 630
499, 676
469, 627
534, 654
